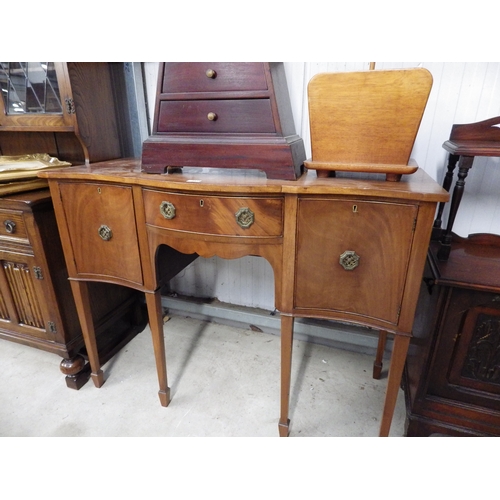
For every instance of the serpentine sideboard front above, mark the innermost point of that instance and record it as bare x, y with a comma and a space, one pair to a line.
347, 249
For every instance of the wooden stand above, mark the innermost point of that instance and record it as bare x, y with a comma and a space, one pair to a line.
366, 121
465, 143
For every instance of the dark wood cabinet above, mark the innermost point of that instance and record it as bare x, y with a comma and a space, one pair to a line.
36, 303
452, 376
70, 111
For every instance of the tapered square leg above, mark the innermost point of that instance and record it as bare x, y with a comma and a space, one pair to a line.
82, 301
155, 312
286, 370
398, 359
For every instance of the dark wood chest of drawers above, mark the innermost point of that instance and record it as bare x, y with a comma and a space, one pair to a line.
224, 115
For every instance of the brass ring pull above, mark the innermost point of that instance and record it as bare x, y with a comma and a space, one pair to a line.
244, 217
211, 73
167, 209
212, 116
10, 226
349, 260
105, 233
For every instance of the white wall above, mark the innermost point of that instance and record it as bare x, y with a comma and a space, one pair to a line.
461, 93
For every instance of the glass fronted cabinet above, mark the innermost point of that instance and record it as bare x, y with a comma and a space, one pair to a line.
67, 110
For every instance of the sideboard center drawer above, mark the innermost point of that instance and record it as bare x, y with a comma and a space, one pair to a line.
216, 215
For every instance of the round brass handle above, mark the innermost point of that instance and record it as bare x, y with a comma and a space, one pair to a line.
211, 73
244, 217
167, 209
105, 232
349, 260
212, 116
10, 226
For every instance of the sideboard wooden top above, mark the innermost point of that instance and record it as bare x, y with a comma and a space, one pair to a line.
418, 186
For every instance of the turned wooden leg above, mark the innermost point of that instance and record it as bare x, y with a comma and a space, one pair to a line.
464, 165
398, 359
77, 371
286, 370
378, 364
153, 302
448, 178
82, 301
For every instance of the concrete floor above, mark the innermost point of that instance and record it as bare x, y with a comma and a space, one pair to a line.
224, 382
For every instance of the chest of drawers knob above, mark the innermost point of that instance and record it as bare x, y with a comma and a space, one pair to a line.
211, 73
212, 116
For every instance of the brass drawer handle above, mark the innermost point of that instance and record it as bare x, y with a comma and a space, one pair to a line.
167, 209
212, 116
10, 226
211, 73
105, 233
244, 217
349, 260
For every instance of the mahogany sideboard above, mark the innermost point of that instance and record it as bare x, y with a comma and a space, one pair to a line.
347, 249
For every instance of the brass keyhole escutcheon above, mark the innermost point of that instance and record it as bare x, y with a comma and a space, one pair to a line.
212, 116
105, 232
349, 260
167, 209
211, 73
244, 217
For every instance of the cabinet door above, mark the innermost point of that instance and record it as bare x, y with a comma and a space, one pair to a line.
352, 257
468, 350
102, 230
22, 305
35, 96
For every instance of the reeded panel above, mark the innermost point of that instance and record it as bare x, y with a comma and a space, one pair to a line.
20, 282
4, 313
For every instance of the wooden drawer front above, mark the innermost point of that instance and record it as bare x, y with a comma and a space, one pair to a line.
89, 207
192, 77
234, 116
12, 225
379, 233
216, 215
